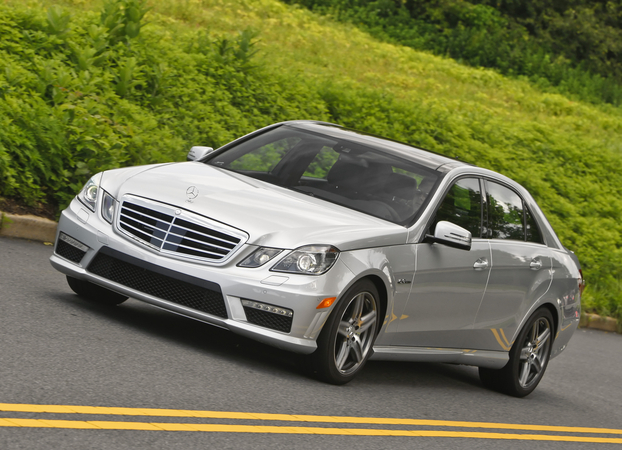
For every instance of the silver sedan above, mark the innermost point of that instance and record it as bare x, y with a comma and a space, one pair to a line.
336, 244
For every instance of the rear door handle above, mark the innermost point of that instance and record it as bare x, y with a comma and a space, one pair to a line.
535, 264
480, 264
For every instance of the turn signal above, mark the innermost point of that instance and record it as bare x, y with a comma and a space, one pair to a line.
326, 302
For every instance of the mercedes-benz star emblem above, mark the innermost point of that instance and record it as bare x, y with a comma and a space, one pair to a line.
192, 192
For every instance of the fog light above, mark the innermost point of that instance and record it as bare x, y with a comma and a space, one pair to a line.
73, 242
268, 308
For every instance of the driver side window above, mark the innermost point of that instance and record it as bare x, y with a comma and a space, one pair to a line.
462, 206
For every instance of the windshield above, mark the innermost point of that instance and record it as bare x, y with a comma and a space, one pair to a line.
366, 179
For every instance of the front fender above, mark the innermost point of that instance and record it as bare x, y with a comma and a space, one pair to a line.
395, 267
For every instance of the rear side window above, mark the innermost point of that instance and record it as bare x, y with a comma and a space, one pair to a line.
509, 217
531, 229
463, 206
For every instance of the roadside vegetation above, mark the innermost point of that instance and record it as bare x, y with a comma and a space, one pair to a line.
572, 47
87, 85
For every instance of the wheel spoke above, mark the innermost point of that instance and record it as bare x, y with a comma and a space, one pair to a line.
357, 349
534, 331
524, 375
359, 304
537, 365
342, 355
542, 338
367, 321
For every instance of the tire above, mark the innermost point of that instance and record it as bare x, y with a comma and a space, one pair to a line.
529, 358
95, 293
346, 341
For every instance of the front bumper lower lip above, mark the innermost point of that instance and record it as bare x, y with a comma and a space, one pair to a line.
254, 332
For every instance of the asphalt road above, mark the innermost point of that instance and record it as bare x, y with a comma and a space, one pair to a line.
60, 350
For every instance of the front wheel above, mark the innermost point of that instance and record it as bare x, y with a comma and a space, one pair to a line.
94, 292
529, 358
346, 341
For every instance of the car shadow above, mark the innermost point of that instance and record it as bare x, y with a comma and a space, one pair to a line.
193, 334
250, 354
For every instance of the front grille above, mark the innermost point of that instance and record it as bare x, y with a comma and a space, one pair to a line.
159, 282
178, 232
268, 320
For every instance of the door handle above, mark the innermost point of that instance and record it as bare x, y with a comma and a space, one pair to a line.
480, 264
535, 264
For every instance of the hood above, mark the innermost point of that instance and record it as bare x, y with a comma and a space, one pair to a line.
271, 215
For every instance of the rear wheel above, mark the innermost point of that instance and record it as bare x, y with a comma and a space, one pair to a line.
94, 292
529, 358
346, 341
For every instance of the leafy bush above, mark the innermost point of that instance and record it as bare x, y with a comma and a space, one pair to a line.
83, 94
569, 47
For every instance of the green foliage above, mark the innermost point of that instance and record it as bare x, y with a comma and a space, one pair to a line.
569, 47
58, 21
82, 92
123, 19
87, 93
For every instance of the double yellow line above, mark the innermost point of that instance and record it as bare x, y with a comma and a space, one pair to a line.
572, 434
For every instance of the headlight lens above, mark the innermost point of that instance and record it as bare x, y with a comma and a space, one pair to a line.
88, 194
107, 206
309, 260
260, 256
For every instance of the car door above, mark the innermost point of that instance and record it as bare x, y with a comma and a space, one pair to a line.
521, 271
449, 283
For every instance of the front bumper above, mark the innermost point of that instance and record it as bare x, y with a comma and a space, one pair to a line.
140, 271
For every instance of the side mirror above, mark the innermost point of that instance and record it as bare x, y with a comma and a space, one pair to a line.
197, 152
452, 235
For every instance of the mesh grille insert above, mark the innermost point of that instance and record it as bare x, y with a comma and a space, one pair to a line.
162, 283
268, 320
69, 252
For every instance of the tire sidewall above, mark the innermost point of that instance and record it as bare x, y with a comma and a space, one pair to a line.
511, 370
324, 356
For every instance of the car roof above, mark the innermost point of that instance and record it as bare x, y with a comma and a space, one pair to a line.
424, 157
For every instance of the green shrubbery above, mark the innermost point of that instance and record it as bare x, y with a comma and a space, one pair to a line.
84, 91
572, 47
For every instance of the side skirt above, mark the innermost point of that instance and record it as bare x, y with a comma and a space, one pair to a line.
480, 358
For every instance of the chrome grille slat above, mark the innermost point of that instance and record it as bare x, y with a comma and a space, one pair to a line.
131, 217
140, 230
196, 248
198, 241
192, 251
178, 232
175, 227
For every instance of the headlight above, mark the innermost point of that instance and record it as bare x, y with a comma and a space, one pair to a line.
308, 260
260, 256
107, 206
88, 194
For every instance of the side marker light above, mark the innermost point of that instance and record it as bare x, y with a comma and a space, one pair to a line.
326, 302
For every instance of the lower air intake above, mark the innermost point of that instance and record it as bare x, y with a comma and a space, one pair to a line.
69, 252
268, 319
159, 282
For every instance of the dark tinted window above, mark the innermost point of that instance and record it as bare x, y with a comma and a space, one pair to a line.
365, 178
531, 228
463, 206
505, 213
